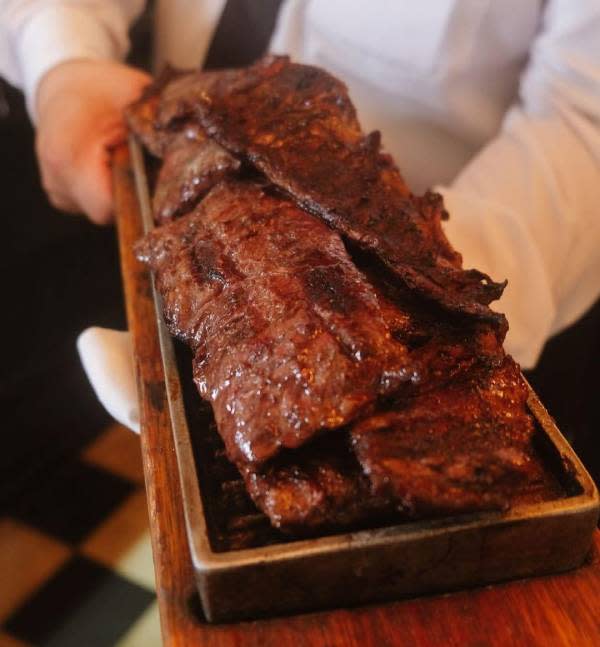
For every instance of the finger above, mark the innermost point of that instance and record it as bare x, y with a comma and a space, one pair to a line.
62, 202
58, 197
92, 188
115, 137
82, 184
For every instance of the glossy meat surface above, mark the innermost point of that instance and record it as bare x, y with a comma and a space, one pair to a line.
443, 344
288, 335
192, 165
465, 445
179, 99
320, 486
141, 115
297, 125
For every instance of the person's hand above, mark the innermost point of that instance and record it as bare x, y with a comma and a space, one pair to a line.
79, 107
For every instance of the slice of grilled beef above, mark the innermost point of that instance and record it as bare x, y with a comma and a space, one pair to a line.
289, 338
444, 345
179, 99
297, 125
317, 487
192, 165
460, 438
463, 446
141, 115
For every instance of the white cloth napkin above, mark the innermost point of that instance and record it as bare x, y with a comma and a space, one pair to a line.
107, 359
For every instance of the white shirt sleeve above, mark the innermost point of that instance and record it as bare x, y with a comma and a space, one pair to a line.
36, 35
528, 205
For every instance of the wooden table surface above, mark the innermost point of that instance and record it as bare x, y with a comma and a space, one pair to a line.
553, 610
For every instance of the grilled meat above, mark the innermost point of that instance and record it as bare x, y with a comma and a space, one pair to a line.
319, 486
345, 383
442, 344
288, 336
192, 165
141, 115
453, 442
463, 446
297, 125
179, 99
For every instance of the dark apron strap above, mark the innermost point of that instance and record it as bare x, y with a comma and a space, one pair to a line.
243, 33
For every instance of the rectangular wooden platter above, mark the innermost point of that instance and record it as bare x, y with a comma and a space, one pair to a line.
381, 563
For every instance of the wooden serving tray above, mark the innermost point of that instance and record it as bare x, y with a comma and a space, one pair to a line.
376, 564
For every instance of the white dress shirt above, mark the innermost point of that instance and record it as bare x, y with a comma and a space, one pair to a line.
494, 103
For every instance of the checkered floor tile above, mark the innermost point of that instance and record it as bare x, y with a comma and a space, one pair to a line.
75, 553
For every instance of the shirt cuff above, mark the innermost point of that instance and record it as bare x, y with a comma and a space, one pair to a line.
55, 35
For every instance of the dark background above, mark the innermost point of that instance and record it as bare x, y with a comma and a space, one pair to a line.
60, 274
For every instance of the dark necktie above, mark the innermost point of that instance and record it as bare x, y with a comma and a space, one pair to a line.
243, 32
